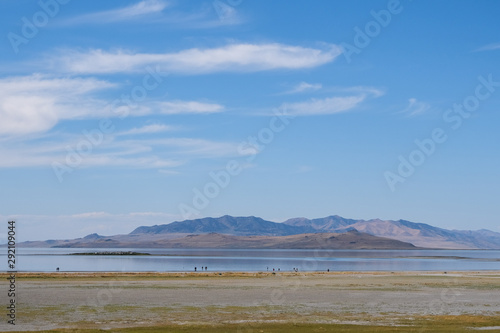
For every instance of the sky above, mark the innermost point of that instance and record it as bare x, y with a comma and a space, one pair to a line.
116, 114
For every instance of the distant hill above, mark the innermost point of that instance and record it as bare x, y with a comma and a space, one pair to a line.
418, 234
348, 240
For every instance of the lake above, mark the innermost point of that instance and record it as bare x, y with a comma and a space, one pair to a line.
223, 260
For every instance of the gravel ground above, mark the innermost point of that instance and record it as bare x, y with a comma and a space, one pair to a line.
107, 300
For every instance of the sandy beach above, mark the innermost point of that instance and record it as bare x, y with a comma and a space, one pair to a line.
47, 301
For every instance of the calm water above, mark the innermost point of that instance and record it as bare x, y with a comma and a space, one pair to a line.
176, 260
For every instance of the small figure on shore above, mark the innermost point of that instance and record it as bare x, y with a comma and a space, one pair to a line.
273, 269
57, 269
195, 268
278, 269
206, 268
328, 270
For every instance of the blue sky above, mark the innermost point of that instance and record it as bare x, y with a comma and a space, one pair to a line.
116, 114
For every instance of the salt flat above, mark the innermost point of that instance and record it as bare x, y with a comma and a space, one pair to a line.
114, 300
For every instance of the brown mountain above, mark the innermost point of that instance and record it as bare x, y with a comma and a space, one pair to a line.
419, 234
348, 240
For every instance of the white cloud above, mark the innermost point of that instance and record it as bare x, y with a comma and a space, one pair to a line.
323, 106
183, 107
208, 15
35, 103
234, 57
416, 107
331, 105
303, 87
489, 47
135, 11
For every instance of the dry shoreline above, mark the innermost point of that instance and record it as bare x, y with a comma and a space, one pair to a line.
114, 300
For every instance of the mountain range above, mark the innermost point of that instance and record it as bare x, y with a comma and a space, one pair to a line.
219, 230
349, 240
419, 234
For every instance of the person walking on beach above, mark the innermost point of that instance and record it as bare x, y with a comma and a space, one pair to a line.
195, 268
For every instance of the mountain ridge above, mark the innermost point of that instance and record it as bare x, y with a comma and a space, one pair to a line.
419, 234
237, 226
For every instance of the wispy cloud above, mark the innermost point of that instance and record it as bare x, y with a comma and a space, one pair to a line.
36, 103
329, 105
112, 153
416, 107
116, 150
324, 106
213, 14
304, 87
489, 47
207, 15
133, 12
148, 129
230, 58
185, 107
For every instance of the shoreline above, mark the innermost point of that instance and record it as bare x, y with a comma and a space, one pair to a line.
65, 274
